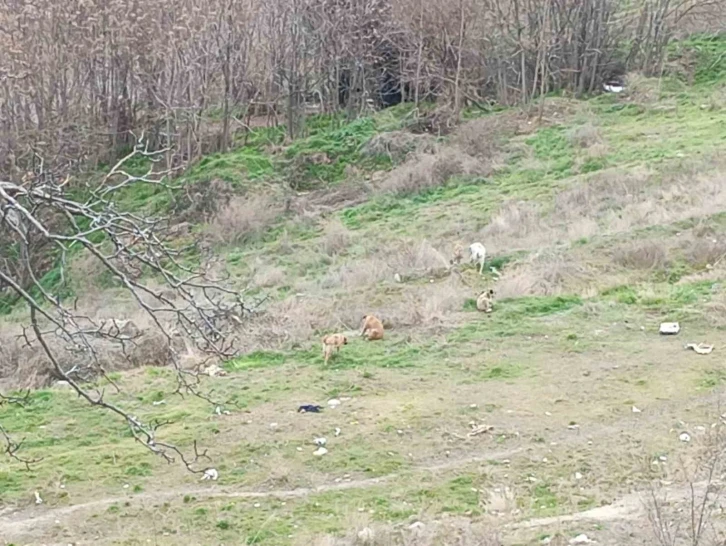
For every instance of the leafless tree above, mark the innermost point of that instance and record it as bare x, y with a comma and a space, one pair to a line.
191, 306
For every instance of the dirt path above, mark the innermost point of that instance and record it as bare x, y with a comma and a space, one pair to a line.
28, 522
32, 523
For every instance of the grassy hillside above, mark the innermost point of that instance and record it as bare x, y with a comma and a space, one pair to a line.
602, 217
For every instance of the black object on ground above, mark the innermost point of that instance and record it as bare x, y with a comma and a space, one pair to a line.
309, 408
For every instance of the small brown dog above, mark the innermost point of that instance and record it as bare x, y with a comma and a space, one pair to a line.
485, 301
333, 342
372, 328
458, 254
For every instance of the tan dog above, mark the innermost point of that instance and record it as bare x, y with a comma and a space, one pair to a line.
485, 301
458, 255
333, 342
372, 328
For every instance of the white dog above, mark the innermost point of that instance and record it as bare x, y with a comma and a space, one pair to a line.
477, 254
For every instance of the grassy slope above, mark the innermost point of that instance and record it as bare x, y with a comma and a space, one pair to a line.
537, 365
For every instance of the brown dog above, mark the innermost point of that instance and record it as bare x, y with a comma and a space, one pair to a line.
372, 328
485, 301
458, 254
333, 342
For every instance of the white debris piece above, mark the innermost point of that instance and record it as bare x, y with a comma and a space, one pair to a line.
366, 535
684, 437
210, 474
700, 348
397, 278
635, 410
320, 442
320, 452
158, 403
416, 525
613, 88
581, 539
337, 431
214, 371
38, 500
669, 328
578, 476
333, 403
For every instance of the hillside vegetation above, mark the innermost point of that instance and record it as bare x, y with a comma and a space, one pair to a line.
602, 218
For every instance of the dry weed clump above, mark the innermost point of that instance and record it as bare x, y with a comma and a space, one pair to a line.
584, 136
414, 260
202, 200
516, 226
703, 251
347, 194
648, 255
397, 145
422, 172
547, 273
269, 276
336, 238
23, 367
485, 137
242, 218
426, 306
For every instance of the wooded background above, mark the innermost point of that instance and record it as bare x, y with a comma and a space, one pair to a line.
78, 77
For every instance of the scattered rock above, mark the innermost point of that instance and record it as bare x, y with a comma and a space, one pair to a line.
684, 437
210, 474
669, 328
333, 403
481, 429
62, 384
700, 348
581, 539
273, 425
320, 452
416, 525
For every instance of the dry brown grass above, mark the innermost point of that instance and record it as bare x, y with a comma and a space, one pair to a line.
441, 532
412, 259
242, 218
23, 367
649, 254
484, 137
548, 273
397, 145
269, 276
336, 238
584, 136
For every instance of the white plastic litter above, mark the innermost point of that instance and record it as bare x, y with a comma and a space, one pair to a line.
669, 328
210, 474
700, 348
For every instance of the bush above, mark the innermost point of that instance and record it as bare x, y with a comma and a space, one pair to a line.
243, 218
